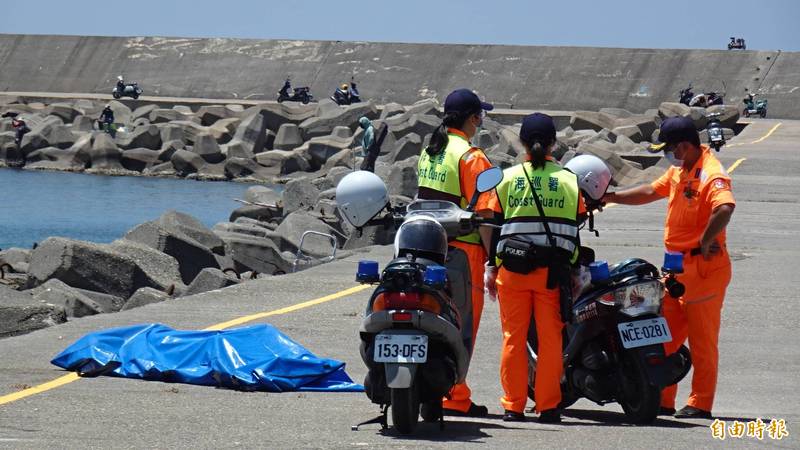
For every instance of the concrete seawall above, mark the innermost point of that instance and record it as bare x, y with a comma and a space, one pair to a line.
552, 78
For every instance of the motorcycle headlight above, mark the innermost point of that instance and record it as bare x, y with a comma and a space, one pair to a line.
640, 298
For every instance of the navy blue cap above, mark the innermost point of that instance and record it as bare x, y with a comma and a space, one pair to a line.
465, 101
537, 127
677, 129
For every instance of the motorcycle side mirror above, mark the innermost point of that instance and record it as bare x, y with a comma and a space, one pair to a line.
487, 180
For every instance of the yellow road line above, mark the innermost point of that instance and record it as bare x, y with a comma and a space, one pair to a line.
288, 309
60, 381
735, 165
769, 133
69, 378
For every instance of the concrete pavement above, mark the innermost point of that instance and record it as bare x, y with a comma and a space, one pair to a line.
760, 350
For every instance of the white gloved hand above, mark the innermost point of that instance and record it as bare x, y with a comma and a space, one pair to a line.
490, 281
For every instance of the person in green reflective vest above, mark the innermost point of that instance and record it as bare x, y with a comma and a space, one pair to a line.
531, 264
447, 170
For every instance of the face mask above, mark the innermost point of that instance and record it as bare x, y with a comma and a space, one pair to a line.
477, 131
670, 156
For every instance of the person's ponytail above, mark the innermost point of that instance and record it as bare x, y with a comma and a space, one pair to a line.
538, 154
439, 138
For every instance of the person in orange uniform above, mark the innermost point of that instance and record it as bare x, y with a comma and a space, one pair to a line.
448, 170
700, 206
533, 266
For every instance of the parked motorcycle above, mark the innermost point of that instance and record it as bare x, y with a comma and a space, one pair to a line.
131, 90
689, 98
613, 346
737, 43
716, 136
345, 95
301, 94
416, 337
754, 107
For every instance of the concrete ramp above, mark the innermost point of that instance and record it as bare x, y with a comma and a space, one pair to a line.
553, 78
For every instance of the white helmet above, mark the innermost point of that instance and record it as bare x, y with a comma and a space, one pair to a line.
360, 196
593, 175
119, 77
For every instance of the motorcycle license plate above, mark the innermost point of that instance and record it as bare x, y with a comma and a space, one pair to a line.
401, 348
644, 332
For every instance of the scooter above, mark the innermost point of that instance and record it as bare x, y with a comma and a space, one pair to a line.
716, 136
613, 346
301, 94
131, 90
737, 43
346, 97
703, 100
754, 107
416, 337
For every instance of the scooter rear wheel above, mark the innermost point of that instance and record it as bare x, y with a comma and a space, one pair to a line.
405, 409
763, 113
639, 399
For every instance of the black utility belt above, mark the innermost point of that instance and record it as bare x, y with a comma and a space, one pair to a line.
520, 256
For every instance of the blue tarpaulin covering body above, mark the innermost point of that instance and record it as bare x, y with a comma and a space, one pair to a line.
257, 357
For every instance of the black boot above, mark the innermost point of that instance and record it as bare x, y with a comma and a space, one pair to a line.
513, 416
690, 412
550, 416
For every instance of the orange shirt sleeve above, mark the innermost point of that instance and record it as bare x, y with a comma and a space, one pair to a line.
662, 185
470, 167
719, 193
581, 205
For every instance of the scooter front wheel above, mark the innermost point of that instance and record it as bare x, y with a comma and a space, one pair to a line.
405, 409
115, 95
763, 113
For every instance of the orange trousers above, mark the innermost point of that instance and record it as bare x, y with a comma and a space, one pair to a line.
696, 315
460, 396
519, 296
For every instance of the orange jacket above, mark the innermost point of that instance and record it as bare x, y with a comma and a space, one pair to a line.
693, 196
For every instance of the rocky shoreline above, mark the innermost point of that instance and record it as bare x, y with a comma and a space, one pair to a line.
309, 148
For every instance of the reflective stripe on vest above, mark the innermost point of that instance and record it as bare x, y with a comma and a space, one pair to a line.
441, 173
559, 196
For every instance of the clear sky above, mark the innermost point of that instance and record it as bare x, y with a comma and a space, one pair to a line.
765, 24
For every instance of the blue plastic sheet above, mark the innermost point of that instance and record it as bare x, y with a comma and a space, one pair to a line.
257, 357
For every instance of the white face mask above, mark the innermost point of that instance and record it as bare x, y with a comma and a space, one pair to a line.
670, 156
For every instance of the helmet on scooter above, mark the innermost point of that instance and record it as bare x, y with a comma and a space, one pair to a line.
119, 77
593, 175
360, 196
344, 86
422, 236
